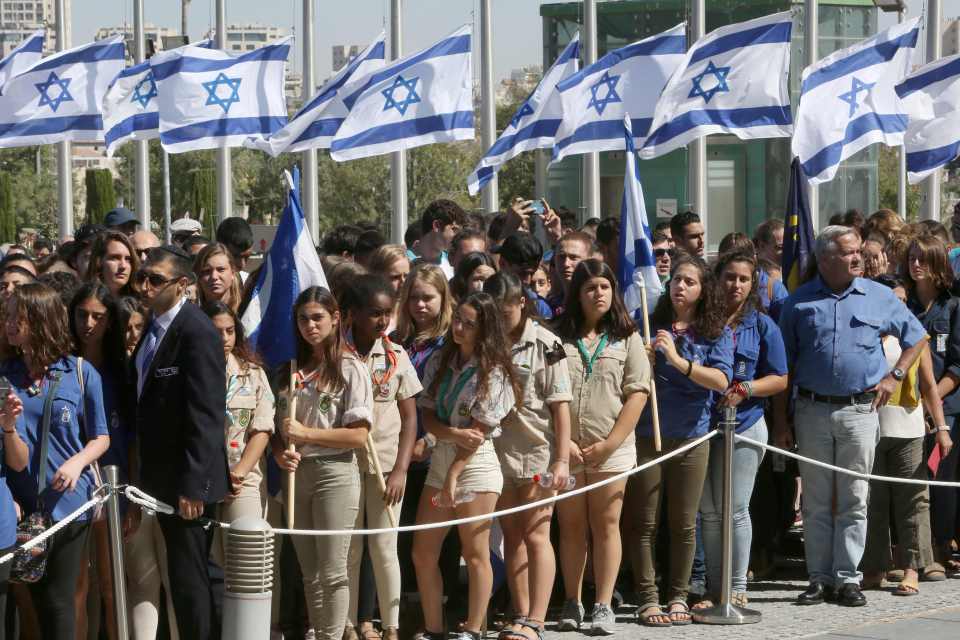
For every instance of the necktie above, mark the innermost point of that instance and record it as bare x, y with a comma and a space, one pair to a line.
149, 350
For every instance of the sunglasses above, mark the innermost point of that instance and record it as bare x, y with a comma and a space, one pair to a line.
155, 279
659, 253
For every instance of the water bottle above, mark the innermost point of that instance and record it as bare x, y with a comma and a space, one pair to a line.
545, 480
461, 497
233, 453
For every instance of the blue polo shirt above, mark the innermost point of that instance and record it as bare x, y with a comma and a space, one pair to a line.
833, 340
757, 352
65, 437
685, 408
121, 432
8, 513
771, 305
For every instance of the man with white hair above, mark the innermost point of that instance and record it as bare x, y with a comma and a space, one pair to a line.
832, 327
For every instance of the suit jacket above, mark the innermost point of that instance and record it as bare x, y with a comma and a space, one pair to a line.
181, 411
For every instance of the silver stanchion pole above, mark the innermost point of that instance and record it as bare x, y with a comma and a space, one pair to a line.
112, 476
724, 612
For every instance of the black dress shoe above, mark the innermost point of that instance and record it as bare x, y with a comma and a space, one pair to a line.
851, 596
816, 593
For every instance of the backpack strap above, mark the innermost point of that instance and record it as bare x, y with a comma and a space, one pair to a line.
45, 432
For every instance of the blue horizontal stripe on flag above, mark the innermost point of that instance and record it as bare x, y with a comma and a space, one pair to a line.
923, 80
326, 127
81, 56
604, 130
187, 64
406, 129
377, 53
765, 34
136, 69
919, 161
830, 154
222, 127
658, 47
877, 54
449, 47
33, 45
537, 129
731, 118
568, 54
136, 122
484, 175
44, 126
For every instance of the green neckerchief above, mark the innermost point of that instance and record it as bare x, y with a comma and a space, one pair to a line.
585, 356
445, 402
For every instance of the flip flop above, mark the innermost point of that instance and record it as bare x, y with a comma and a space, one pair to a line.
907, 589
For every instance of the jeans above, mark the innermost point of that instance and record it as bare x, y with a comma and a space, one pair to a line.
845, 436
746, 461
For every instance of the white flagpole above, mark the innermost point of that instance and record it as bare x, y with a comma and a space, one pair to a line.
309, 175
591, 161
142, 162
930, 209
697, 150
811, 37
64, 169
902, 166
398, 160
488, 113
224, 174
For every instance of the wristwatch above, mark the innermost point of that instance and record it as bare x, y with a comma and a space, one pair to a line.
898, 374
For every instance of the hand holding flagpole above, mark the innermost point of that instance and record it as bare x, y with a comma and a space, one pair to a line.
654, 412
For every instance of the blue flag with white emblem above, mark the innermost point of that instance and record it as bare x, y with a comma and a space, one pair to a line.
24, 55
314, 126
930, 97
733, 80
595, 99
59, 97
420, 99
848, 101
210, 99
535, 123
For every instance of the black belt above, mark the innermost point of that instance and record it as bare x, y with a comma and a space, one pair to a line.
865, 397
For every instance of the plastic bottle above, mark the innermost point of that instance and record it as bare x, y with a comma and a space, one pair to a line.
461, 497
233, 453
545, 480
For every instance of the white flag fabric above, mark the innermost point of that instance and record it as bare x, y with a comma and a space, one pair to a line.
848, 101
733, 80
930, 97
421, 99
209, 99
535, 123
24, 55
59, 97
595, 99
314, 126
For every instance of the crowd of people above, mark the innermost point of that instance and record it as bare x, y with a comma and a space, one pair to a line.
486, 363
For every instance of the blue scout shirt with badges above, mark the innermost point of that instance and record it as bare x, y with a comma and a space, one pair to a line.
833, 340
943, 327
757, 352
65, 438
685, 408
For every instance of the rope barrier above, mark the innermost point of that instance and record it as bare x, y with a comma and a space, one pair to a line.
825, 465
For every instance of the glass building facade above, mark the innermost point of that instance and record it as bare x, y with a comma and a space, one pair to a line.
746, 181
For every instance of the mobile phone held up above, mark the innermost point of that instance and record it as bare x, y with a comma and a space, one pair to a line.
537, 207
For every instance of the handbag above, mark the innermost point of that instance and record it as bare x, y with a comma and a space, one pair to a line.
29, 565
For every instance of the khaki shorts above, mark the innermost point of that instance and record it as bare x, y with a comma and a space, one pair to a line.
481, 475
623, 459
519, 468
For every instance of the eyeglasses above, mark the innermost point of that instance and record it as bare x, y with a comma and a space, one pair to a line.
466, 324
155, 279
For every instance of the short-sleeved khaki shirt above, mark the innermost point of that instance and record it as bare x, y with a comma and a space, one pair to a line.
489, 410
250, 408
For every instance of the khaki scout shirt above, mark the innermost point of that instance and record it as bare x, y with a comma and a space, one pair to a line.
403, 384
250, 408
621, 370
489, 410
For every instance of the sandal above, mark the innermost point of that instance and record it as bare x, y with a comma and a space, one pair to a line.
934, 572
510, 632
907, 588
536, 628
648, 614
679, 613
370, 633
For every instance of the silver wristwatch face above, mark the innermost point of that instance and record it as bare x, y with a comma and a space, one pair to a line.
898, 374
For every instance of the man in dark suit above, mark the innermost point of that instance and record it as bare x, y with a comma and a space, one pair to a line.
181, 404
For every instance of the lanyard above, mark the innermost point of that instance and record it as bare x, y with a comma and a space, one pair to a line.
585, 356
233, 386
446, 401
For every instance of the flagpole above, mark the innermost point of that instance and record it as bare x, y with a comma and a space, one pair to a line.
811, 37
930, 209
64, 170
591, 161
398, 160
902, 172
142, 161
224, 174
697, 150
309, 176
488, 114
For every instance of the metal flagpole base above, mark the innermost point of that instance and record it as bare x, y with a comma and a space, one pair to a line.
726, 614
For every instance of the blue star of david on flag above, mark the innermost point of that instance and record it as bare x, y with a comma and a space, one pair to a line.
411, 98
525, 110
213, 87
610, 82
719, 73
62, 96
850, 97
145, 90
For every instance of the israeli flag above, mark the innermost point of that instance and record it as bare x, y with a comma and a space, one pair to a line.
733, 80
25, 55
59, 97
594, 101
535, 123
637, 267
210, 99
314, 126
848, 101
421, 99
930, 97
291, 266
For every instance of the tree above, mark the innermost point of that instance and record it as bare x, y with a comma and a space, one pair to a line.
8, 217
517, 176
100, 195
203, 196
888, 168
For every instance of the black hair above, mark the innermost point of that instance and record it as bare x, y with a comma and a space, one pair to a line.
616, 321
681, 220
444, 211
368, 242
236, 234
42, 243
179, 260
890, 280
63, 282
413, 234
194, 240
362, 289
12, 268
505, 288
495, 228
15, 257
341, 240
468, 264
241, 348
608, 230
114, 339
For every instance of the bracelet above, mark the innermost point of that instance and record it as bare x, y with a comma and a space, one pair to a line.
10, 432
748, 388
943, 427
689, 368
